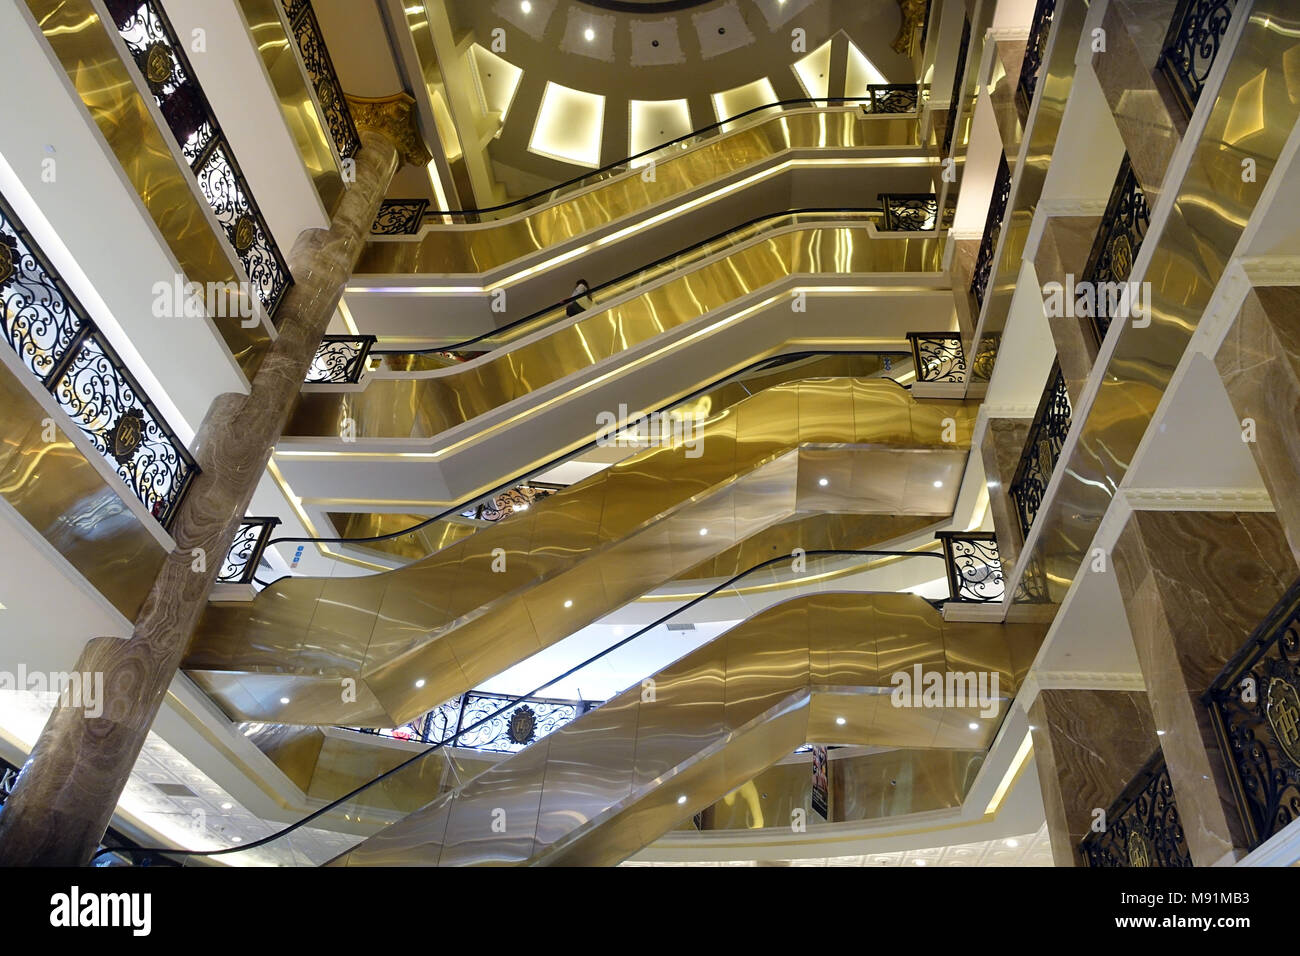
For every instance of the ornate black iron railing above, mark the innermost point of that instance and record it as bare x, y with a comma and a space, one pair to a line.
1042, 450
984, 262
454, 723
339, 359
974, 567
1195, 34
1254, 706
958, 87
892, 98
1110, 262
1035, 50
245, 552
57, 341
320, 68
399, 217
161, 60
505, 503
938, 356
909, 212
1142, 826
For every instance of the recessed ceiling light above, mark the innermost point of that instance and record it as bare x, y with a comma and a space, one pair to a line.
589, 34
526, 7
1013, 843
704, 531
568, 604
237, 839
227, 806
919, 862
823, 482
841, 721
938, 484
973, 726
682, 798
1160, 733
284, 700
420, 682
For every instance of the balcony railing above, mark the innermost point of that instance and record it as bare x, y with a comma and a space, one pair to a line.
1195, 34
909, 212
974, 567
320, 68
507, 732
1110, 263
892, 98
1254, 706
992, 231
1143, 828
399, 217
58, 343
504, 504
339, 359
1042, 450
937, 356
1035, 50
245, 552
958, 86
161, 60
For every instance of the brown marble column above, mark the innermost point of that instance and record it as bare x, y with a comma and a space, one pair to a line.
1195, 585
1088, 744
1259, 362
1063, 252
70, 785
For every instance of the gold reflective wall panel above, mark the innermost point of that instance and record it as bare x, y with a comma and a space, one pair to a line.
81, 43
276, 48
1211, 208
66, 500
423, 404
483, 604
445, 250
602, 787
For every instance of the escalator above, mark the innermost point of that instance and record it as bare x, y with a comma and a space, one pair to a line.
401, 642
816, 668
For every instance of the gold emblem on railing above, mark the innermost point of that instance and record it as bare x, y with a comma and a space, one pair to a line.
125, 438
523, 724
158, 64
245, 232
1139, 849
8, 261
1282, 709
1121, 256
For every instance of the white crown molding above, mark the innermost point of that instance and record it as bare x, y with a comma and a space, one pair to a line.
1075, 680
1198, 499
1007, 33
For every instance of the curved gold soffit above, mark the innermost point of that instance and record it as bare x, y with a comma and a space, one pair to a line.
816, 669
424, 404
445, 250
436, 535
352, 651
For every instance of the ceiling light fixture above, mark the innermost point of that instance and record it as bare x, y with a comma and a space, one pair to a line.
1013, 843
823, 482
938, 484
227, 806
568, 604
973, 726
420, 682
526, 7
682, 798
704, 531
589, 34
284, 700
841, 721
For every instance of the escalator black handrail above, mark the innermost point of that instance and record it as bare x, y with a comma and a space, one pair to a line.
450, 741
560, 459
576, 180
627, 275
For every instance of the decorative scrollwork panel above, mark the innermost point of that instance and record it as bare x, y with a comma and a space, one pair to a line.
1035, 50
399, 217
910, 212
992, 232
1119, 238
974, 567
245, 551
892, 98
1191, 45
1042, 451
1254, 706
505, 503
1143, 828
958, 87
340, 359
938, 356
320, 68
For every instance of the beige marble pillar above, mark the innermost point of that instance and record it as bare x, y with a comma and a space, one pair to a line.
1195, 585
1001, 446
1259, 362
1063, 252
1150, 124
70, 785
1088, 744
965, 253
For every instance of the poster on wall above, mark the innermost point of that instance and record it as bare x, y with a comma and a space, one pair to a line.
821, 781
